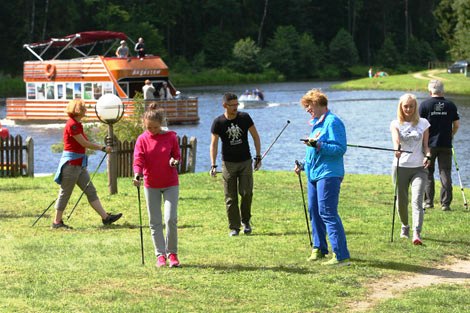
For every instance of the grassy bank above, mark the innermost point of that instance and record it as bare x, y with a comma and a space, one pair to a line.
97, 269
222, 76
453, 83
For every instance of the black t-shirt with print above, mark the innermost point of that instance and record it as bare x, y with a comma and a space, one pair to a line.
234, 136
441, 113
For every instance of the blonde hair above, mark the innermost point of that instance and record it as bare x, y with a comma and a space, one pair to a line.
314, 96
154, 113
75, 108
407, 97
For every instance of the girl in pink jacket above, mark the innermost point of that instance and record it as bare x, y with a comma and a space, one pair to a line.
156, 156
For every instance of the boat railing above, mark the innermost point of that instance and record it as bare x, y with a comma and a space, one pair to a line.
178, 111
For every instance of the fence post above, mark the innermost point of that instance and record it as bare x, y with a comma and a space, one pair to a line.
29, 156
192, 155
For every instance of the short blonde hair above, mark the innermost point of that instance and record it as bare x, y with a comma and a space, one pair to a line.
407, 97
314, 96
75, 108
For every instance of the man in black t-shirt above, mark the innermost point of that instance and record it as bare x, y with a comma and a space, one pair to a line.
443, 116
232, 128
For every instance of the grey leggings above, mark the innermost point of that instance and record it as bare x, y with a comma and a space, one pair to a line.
74, 175
415, 177
169, 244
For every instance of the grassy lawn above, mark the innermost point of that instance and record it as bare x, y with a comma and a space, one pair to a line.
97, 269
453, 83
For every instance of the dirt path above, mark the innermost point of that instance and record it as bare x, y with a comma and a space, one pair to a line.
457, 272
432, 74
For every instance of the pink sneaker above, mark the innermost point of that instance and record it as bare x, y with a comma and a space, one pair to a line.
174, 262
417, 238
161, 261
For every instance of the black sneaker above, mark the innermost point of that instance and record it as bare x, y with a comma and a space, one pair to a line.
61, 225
111, 218
247, 228
234, 232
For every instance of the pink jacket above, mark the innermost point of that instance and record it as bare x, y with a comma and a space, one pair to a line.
152, 154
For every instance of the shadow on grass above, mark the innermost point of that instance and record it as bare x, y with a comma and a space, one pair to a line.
245, 268
449, 241
412, 268
12, 215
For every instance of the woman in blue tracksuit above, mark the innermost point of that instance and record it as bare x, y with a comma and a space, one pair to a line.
324, 167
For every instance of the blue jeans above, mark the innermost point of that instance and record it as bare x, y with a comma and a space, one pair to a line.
323, 197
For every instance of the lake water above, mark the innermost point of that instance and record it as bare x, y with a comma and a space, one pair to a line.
366, 114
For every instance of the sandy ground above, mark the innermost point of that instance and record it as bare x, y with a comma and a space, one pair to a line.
457, 272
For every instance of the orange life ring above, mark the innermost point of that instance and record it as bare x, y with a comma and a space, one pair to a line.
50, 71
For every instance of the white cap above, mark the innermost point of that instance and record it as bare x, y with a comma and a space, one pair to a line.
123, 41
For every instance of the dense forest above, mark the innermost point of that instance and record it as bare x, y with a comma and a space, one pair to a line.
297, 38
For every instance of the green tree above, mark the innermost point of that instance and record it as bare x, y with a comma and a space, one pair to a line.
217, 47
282, 50
246, 56
310, 58
461, 48
343, 51
388, 54
419, 52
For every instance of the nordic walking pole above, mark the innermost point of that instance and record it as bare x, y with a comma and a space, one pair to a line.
269, 148
395, 197
88, 184
305, 207
377, 148
465, 204
44, 212
141, 234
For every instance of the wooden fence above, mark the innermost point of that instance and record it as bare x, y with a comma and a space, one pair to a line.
16, 159
125, 156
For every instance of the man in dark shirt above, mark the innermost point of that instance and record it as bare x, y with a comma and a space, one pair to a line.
443, 116
232, 128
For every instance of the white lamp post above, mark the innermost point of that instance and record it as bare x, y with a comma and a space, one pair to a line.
109, 110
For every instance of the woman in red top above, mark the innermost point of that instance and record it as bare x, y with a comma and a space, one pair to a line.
156, 156
72, 168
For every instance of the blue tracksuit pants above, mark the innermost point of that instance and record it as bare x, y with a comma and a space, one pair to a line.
323, 197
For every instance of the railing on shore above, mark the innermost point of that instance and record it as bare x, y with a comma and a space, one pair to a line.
438, 64
13, 162
125, 156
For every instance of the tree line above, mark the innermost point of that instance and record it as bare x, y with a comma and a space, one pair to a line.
297, 38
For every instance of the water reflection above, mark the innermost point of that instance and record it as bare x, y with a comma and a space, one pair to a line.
366, 114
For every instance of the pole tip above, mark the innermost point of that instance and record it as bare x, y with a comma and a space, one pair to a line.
288, 121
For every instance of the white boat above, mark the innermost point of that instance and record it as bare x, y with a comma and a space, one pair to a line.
249, 101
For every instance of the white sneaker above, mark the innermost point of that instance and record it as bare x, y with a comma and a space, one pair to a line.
405, 232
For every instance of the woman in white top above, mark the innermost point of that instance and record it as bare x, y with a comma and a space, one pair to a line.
410, 133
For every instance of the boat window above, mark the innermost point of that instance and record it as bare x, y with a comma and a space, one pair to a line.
77, 91
107, 88
69, 91
125, 87
50, 92
40, 91
97, 90
31, 91
60, 92
88, 92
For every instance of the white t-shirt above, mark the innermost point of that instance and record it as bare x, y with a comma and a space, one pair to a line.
411, 139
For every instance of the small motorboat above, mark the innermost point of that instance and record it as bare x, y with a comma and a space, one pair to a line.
252, 99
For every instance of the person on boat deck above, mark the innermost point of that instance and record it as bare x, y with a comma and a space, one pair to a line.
165, 93
140, 48
259, 94
72, 169
4, 133
122, 51
148, 90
